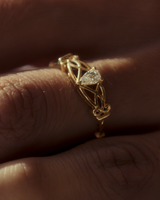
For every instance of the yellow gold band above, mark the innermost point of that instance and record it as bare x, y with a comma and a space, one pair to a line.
89, 85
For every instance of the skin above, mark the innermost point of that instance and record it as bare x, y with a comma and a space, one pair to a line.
41, 114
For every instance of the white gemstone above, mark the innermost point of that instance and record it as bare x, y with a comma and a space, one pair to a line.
91, 77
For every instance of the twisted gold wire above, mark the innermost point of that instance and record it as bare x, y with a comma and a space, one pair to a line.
101, 109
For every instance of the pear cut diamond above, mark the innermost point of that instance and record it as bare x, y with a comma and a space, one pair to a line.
91, 77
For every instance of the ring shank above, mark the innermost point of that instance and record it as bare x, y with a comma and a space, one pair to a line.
101, 110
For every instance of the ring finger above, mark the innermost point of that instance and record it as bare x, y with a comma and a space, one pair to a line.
40, 110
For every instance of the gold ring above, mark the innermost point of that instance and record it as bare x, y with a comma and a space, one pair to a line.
89, 84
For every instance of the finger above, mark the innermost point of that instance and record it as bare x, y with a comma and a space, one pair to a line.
124, 167
36, 29
41, 112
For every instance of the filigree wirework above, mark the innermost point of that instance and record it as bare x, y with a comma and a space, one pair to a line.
69, 63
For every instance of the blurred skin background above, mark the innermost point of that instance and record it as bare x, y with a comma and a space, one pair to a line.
41, 114
31, 30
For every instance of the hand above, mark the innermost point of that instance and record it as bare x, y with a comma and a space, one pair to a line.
33, 107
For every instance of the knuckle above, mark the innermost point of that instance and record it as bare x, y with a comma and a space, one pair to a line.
21, 107
28, 172
20, 177
33, 178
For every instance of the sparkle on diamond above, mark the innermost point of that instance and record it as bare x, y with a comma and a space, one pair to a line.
91, 77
